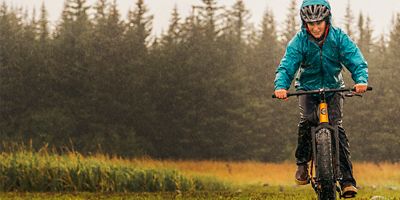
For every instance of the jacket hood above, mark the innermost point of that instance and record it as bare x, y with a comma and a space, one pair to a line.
316, 2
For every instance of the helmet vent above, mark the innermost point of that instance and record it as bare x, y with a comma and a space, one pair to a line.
313, 13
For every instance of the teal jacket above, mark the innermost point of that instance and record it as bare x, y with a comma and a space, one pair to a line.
320, 67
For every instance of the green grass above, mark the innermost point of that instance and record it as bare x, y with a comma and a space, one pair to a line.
42, 172
41, 175
245, 193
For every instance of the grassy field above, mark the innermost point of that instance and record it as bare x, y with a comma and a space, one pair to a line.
42, 175
244, 193
274, 174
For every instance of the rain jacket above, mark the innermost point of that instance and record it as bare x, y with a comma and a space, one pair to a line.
320, 67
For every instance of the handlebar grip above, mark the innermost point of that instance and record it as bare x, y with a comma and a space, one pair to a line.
369, 88
287, 94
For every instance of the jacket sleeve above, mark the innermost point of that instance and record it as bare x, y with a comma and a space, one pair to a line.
353, 60
289, 64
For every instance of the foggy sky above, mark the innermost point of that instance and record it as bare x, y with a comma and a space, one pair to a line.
380, 11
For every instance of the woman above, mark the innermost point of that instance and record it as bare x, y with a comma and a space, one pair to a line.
317, 54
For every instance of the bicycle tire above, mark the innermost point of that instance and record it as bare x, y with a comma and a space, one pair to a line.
324, 162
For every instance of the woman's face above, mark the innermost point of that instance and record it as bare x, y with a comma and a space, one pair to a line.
317, 29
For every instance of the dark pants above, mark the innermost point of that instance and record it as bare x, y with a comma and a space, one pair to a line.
308, 105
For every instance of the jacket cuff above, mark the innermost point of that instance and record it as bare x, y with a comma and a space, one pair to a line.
279, 87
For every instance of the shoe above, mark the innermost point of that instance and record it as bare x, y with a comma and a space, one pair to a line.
349, 191
301, 176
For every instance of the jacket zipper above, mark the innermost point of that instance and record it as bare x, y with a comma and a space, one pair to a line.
322, 67
320, 58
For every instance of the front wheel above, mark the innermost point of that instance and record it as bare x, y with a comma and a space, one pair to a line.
326, 181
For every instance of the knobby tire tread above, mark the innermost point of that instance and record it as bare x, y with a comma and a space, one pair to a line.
324, 153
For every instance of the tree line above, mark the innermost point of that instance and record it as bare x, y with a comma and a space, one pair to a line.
200, 90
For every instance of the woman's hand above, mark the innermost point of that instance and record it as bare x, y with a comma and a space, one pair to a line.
360, 88
281, 94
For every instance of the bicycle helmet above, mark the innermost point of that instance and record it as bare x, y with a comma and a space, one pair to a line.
314, 13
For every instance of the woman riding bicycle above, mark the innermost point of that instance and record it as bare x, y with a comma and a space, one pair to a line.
317, 53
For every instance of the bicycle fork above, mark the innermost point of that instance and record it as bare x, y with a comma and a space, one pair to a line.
324, 123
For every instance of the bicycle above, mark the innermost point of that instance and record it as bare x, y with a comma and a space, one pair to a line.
325, 146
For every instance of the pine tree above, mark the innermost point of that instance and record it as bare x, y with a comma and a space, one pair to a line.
267, 54
109, 84
365, 35
292, 24
394, 46
43, 25
239, 16
391, 78
348, 18
72, 61
208, 12
368, 38
108, 34
174, 32
138, 31
100, 7
361, 29
19, 73
395, 34
268, 41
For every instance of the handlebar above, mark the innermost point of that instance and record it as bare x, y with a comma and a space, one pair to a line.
320, 91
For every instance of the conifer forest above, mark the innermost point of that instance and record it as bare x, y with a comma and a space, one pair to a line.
102, 82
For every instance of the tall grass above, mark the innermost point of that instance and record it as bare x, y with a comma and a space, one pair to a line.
28, 171
367, 174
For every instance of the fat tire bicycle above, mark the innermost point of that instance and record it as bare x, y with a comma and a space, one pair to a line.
325, 160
